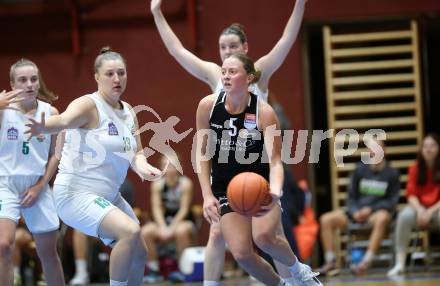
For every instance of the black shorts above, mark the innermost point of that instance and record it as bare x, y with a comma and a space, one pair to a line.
224, 205
226, 208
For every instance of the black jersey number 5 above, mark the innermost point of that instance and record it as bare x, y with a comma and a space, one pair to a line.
232, 132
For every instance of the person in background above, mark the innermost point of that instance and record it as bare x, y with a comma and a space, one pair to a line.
292, 200
423, 195
171, 198
23, 241
373, 194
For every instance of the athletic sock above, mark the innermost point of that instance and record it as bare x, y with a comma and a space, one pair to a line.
210, 283
295, 267
153, 265
118, 283
368, 257
329, 256
81, 267
16, 271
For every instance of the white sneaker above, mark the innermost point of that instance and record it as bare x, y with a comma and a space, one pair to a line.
80, 279
253, 278
17, 280
398, 269
304, 277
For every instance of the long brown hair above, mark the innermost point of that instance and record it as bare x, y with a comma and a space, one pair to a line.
422, 166
43, 93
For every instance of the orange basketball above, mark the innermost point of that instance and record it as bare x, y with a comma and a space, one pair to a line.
247, 192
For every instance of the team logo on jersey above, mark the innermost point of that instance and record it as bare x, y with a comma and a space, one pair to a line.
112, 130
12, 133
41, 138
250, 121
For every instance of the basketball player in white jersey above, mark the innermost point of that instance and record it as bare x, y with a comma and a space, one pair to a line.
100, 144
26, 167
232, 40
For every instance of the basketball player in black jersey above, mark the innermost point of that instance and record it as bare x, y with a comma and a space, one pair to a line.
242, 143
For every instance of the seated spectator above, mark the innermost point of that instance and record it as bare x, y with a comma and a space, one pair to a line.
293, 204
372, 197
306, 226
171, 198
80, 241
423, 194
24, 243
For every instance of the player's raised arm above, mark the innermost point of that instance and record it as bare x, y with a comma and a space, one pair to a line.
206, 71
269, 63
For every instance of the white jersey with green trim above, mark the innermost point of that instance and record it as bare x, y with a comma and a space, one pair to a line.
18, 155
99, 157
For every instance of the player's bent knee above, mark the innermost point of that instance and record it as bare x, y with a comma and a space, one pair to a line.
184, 229
264, 241
242, 254
21, 236
216, 235
132, 232
326, 219
383, 218
6, 247
148, 230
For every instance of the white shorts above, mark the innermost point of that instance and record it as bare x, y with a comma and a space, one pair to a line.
41, 217
85, 210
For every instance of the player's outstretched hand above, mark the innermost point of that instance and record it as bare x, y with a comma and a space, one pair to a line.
35, 127
9, 97
147, 171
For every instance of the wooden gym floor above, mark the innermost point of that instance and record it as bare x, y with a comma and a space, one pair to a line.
416, 279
